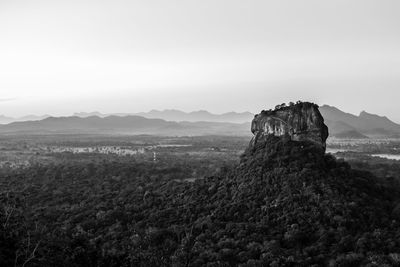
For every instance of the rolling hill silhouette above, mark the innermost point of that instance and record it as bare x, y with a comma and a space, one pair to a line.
121, 125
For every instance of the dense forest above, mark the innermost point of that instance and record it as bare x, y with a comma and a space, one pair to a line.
284, 204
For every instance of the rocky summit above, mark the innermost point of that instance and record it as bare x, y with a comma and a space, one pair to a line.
298, 122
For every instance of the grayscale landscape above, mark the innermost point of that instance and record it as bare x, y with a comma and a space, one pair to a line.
199, 133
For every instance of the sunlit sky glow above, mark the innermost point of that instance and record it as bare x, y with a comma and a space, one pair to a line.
60, 57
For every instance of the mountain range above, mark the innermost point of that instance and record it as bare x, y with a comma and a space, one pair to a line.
168, 115
127, 125
346, 125
178, 116
6, 119
176, 122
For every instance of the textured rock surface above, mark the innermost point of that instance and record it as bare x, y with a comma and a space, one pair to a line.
299, 122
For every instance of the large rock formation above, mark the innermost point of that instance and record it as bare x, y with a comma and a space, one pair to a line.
299, 122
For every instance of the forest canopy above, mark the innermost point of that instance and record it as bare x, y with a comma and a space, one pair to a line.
284, 204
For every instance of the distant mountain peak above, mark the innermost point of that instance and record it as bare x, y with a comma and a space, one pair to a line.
364, 114
328, 106
197, 116
88, 114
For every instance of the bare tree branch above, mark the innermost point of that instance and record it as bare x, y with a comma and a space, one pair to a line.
32, 256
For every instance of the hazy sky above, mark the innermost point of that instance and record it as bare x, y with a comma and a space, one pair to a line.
59, 57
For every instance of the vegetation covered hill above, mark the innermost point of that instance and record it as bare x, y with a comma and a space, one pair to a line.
285, 204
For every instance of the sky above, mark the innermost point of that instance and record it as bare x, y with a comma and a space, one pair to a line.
58, 57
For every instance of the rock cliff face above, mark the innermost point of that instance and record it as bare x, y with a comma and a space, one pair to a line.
299, 122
